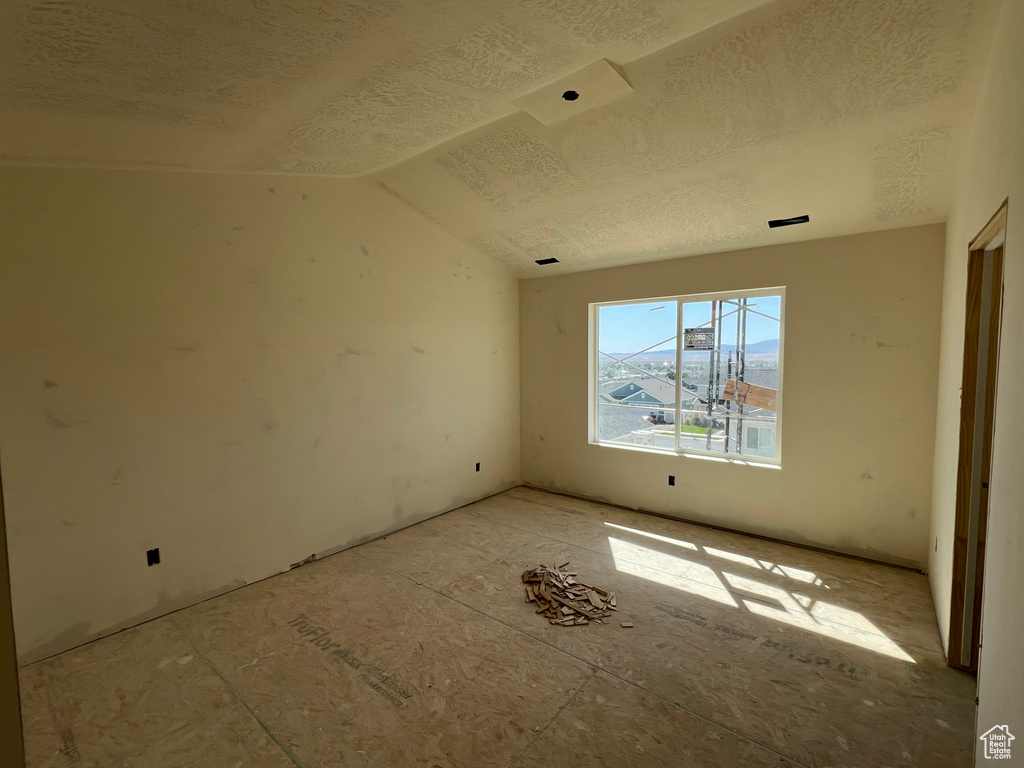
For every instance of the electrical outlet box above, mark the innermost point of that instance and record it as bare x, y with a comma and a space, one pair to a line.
671, 479
153, 556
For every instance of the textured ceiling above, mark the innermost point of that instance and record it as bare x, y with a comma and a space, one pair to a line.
329, 87
740, 110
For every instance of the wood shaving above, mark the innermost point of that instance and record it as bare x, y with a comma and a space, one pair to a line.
563, 599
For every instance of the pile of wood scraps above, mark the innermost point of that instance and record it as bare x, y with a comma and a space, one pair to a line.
564, 600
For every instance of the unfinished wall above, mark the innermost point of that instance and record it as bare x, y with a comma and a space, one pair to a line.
861, 336
240, 370
993, 170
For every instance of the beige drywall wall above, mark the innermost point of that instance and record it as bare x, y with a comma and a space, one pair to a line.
993, 170
12, 749
861, 352
240, 370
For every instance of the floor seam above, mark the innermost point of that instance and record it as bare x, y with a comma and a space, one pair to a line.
458, 578
539, 535
596, 667
245, 705
516, 760
486, 519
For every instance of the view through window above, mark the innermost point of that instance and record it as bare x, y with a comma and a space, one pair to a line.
691, 374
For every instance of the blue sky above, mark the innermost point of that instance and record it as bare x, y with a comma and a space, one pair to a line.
632, 327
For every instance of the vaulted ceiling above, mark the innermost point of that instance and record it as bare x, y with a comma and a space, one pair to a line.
696, 120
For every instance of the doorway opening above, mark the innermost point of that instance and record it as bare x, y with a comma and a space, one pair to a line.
977, 413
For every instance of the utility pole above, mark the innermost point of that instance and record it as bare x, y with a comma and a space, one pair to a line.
728, 404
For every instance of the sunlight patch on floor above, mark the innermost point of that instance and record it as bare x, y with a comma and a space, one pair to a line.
768, 601
655, 536
669, 570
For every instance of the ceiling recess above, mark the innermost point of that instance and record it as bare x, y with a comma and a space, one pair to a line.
543, 262
557, 101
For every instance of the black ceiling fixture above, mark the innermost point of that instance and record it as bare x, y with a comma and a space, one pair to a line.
570, 95
542, 262
787, 222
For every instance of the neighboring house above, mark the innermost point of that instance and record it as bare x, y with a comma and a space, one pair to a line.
655, 398
758, 439
632, 389
762, 377
653, 402
758, 436
658, 395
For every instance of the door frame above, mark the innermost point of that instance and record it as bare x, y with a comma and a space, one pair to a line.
982, 322
12, 751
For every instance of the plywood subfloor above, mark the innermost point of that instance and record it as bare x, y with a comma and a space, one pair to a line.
420, 650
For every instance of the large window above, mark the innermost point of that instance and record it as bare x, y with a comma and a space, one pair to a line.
695, 375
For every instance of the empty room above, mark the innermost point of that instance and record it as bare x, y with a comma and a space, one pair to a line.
541, 383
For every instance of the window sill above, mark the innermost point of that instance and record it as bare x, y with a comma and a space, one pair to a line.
691, 454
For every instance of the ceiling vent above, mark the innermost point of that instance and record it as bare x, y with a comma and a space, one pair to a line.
542, 262
788, 222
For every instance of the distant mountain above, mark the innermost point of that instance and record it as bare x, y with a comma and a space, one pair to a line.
766, 347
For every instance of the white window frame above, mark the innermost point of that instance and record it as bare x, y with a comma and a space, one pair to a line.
594, 365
